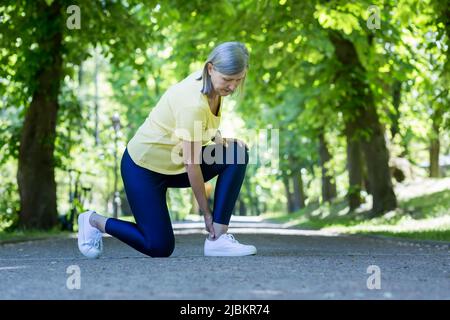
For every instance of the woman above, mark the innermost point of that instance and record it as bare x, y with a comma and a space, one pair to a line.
174, 149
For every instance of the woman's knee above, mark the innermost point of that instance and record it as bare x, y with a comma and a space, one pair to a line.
241, 151
162, 249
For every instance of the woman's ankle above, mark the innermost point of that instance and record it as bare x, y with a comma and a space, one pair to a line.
92, 221
219, 229
98, 221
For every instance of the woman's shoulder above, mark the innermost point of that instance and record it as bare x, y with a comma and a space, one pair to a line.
187, 92
192, 80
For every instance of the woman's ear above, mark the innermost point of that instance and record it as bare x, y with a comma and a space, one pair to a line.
210, 68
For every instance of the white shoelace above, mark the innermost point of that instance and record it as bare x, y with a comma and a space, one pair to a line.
231, 237
96, 242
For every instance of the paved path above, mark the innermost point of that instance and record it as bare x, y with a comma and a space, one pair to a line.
291, 264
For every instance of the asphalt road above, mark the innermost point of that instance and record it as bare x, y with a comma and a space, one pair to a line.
291, 264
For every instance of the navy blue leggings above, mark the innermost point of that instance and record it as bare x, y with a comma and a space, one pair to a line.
152, 233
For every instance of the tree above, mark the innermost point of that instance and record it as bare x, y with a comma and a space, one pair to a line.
369, 128
45, 51
328, 186
35, 175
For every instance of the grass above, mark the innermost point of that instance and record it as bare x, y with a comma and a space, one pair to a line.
426, 217
436, 235
27, 235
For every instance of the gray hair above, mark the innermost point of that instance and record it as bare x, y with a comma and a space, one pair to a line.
228, 58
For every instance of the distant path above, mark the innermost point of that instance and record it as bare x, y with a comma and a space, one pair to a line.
291, 264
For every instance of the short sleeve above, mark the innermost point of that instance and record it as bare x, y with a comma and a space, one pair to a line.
190, 124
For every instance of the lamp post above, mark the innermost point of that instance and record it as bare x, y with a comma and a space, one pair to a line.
116, 200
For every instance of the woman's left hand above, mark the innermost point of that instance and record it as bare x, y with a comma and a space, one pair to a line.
226, 141
239, 142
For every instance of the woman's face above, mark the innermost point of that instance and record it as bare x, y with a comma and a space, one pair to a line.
224, 84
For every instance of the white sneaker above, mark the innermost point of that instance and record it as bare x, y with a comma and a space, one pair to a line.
89, 238
227, 246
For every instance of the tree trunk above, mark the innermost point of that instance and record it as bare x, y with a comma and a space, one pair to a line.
290, 207
242, 208
255, 204
299, 193
253, 199
434, 151
96, 98
369, 128
395, 115
264, 207
257, 210
354, 166
328, 186
36, 176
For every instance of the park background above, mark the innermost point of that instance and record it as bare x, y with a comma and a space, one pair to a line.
357, 91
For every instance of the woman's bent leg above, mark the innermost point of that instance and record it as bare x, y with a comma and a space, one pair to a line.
152, 233
229, 165
229, 183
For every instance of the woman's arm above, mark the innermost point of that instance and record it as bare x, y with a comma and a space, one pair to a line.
191, 158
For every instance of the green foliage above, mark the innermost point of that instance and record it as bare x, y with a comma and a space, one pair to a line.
9, 204
294, 84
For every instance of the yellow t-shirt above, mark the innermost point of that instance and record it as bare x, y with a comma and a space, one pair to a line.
182, 113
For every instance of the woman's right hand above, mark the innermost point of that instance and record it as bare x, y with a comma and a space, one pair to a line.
218, 139
209, 224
